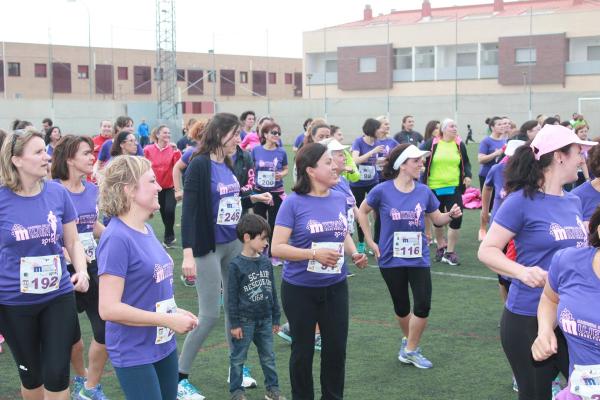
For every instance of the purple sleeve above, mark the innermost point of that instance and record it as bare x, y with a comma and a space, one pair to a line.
484, 147
489, 179
374, 197
554, 271
104, 154
69, 213
185, 158
299, 140
285, 216
140, 151
356, 145
433, 203
510, 215
113, 256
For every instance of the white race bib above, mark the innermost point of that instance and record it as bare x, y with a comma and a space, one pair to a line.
367, 172
379, 164
408, 244
164, 334
40, 274
230, 210
585, 381
318, 268
351, 220
266, 178
89, 244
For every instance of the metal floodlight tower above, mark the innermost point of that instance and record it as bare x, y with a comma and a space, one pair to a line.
166, 65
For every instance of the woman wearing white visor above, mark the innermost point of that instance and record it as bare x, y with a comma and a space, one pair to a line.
402, 253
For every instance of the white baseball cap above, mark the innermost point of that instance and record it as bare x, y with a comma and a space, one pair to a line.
512, 146
333, 145
411, 151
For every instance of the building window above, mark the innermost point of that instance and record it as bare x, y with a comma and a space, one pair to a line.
40, 70
425, 57
489, 54
83, 72
14, 69
243, 77
288, 78
197, 107
272, 78
525, 56
367, 64
331, 66
122, 73
181, 75
593, 53
403, 58
211, 75
466, 59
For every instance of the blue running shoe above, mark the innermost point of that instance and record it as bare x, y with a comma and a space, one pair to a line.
187, 391
91, 394
415, 358
77, 385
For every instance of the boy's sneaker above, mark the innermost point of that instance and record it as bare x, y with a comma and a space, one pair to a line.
361, 247
91, 394
248, 382
318, 342
415, 358
274, 394
188, 281
78, 382
451, 258
439, 253
239, 395
187, 391
284, 332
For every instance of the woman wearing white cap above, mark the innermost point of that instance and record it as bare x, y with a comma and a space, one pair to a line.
402, 253
447, 173
542, 219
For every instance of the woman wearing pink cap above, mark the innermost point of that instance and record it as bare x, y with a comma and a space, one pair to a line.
541, 219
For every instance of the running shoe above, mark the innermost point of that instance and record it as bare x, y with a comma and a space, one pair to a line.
187, 391
274, 394
415, 358
350, 274
515, 386
188, 281
91, 394
284, 332
451, 258
78, 382
239, 395
276, 262
169, 244
402, 345
248, 382
318, 342
361, 247
439, 253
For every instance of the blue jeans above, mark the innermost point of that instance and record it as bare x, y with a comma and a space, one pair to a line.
261, 333
156, 381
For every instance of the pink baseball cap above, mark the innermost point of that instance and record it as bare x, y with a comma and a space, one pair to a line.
554, 137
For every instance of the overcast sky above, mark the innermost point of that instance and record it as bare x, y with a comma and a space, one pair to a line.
250, 27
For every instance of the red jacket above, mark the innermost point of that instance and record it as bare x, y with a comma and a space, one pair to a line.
163, 162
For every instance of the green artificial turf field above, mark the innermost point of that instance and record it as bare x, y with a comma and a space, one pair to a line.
462, 339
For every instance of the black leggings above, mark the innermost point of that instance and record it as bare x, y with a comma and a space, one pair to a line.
88, 302
446, 203
305, 307
360, 192
397, 281
166, 199
518, 332
269, 212
40, 337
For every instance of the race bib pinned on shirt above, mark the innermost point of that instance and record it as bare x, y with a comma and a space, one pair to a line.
164, 334
585, 381
266, 178
351, 220
366, 172
89, 244
41, 274
408, 244
318, 268
230, 210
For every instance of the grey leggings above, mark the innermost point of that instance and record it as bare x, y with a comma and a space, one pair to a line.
212, 271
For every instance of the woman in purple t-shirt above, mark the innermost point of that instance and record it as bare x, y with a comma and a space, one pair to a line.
491, 148
589, 192
541, 219
37, 307
73, 160
136, 284
573, 285
311, 235
402, 251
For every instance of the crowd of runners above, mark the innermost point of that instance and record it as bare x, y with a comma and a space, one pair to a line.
75, 237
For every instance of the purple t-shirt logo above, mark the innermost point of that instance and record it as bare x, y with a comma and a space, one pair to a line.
412, 216
45, 232
339, 226
163, 271
578, 232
